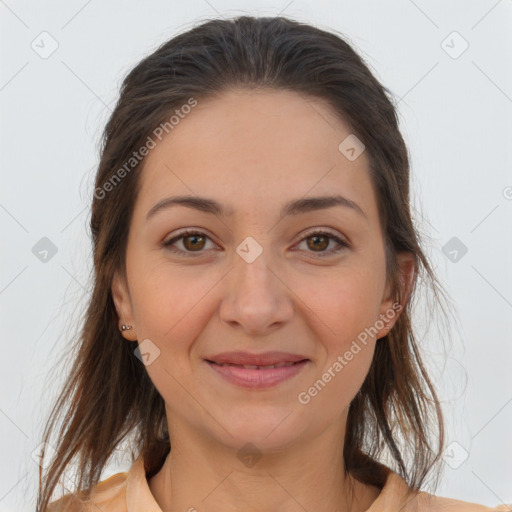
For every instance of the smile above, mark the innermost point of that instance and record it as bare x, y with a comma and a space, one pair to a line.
253, 376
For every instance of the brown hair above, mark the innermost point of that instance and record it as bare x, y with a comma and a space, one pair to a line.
108, 396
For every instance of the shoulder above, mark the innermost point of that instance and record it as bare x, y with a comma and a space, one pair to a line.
396, 495
108, 496
120, 492
433, 503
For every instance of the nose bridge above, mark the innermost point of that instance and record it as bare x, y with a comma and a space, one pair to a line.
253, 264
256, 298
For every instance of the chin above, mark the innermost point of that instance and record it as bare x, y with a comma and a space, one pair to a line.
268, 432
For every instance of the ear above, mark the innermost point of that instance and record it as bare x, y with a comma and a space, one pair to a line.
122, 302
390, 308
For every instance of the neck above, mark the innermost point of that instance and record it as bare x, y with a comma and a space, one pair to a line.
197, 475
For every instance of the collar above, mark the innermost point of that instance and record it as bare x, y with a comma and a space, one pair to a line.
394, 496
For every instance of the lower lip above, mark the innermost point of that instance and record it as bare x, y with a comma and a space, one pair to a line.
257, 378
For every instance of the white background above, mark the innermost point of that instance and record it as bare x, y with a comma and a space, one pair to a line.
456, 119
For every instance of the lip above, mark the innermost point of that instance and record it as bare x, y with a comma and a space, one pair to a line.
257, 377
263, 359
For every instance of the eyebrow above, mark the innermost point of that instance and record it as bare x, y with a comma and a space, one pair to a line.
294, 207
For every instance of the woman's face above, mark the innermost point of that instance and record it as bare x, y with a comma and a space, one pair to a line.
260, 276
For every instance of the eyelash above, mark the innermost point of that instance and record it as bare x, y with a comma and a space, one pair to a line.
184, 234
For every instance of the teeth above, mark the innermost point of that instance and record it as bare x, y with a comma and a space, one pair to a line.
254, 367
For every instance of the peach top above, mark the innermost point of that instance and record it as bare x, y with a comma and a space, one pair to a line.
129, 492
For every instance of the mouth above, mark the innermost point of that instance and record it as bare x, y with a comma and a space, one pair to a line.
257, 367
256, 376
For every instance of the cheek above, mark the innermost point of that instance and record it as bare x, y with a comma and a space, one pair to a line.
347, 311
338, 383
345, 302
172, 308
165, 295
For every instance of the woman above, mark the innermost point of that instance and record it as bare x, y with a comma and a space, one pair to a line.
255, 261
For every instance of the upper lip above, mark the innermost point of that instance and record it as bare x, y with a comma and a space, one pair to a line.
264, 359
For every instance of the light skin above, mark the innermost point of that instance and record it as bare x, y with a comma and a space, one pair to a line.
253, 151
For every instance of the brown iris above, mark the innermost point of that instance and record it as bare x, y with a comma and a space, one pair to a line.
317, 245
194, 244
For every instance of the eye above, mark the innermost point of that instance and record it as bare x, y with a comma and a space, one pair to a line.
195, 241
321, 240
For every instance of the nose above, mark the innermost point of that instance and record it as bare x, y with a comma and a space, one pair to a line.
257, 298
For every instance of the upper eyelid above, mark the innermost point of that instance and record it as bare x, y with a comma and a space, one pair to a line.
188, 232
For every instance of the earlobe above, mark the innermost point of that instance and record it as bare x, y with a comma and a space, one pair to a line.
121, 298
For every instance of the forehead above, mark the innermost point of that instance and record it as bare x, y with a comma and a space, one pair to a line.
254, 148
